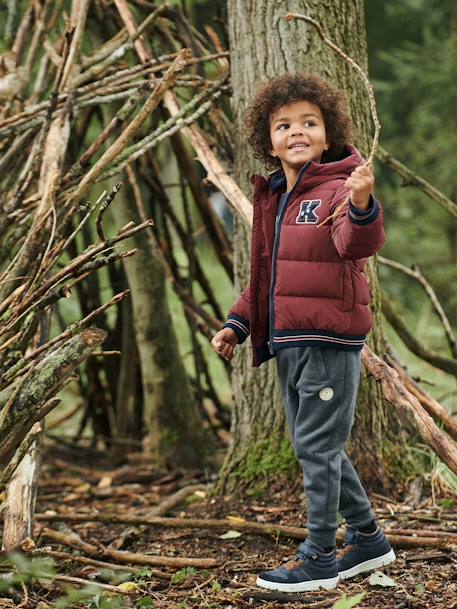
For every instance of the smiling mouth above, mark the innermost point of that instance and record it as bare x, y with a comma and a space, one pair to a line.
298, 146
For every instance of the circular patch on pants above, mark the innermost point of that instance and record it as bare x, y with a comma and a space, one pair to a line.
326, 394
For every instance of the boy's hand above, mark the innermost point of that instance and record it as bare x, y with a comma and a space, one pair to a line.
361, 182
224, 342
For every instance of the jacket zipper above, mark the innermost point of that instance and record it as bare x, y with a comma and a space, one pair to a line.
278, 222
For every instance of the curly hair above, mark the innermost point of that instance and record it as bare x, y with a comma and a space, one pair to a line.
288, 89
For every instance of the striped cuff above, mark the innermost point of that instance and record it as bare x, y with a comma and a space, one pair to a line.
364, 216
239, 325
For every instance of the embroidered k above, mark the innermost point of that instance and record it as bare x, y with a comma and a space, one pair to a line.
307, 213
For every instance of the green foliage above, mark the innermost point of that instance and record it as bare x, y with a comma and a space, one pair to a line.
446, 503
346, 602
25, 569
433, 469
182, 575
403, 466
146, 603
143, 574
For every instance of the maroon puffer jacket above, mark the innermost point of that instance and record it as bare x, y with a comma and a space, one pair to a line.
307, 285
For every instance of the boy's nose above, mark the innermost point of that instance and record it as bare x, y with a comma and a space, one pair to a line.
296, 130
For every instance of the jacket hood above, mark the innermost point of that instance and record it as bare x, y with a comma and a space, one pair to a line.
319, 172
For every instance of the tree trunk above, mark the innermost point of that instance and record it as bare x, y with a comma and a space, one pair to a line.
262, 46
21, 494
172, 422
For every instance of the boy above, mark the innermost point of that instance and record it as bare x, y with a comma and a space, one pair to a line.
307, 304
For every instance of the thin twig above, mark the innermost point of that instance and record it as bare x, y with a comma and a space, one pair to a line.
359, 70
412, 179
103, 207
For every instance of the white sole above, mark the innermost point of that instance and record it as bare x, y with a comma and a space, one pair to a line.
327, 584
369, 565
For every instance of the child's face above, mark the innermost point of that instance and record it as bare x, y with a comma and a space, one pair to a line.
297, 133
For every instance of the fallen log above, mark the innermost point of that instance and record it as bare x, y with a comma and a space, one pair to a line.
421, 533
122, 556
159, 510
238, 524
66, 556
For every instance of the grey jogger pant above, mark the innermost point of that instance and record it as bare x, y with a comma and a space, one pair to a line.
319, 387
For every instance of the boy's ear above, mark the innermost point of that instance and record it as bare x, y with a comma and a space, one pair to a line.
327, 146
273, 154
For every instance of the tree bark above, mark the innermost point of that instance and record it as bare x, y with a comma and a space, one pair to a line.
263, 45
172, 422
30, 398
21, 495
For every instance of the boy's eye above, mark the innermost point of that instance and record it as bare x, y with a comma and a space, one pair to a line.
283, 125
310, 124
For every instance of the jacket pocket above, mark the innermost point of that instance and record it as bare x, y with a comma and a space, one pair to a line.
348, 287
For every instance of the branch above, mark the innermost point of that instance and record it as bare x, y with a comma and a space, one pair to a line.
434, 408
415, 272
410, 408
412, 179
360, 72
168, 128
216, 172
20, 452
103, 207
122, 556
72, 557
400, 327
48, 376
70, 270
128, 133
239, 524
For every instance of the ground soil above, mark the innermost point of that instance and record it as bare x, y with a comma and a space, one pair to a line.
424, 577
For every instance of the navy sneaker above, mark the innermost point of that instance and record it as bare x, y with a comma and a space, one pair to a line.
312, 569
363, 552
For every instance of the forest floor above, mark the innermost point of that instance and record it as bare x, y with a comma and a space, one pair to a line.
424, 576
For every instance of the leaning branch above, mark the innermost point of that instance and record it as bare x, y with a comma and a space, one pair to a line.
413, 179
400, 327
410, 408
434, 408
130, 131
49, 375
416, 274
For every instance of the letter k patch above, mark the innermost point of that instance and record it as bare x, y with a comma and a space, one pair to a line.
307, 213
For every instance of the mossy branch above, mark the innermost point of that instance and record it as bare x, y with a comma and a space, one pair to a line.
48, 376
